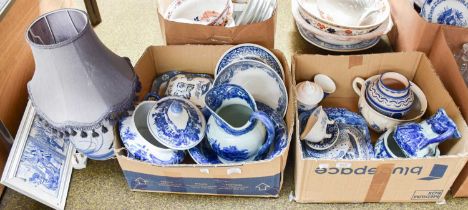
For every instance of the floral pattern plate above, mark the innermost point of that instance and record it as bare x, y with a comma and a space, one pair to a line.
311, 38
254, 76
249, 52
347, 117
448, 12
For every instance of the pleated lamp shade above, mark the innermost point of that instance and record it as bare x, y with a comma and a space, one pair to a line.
78, 82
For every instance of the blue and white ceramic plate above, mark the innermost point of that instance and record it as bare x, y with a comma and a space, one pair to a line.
311, 38
204, 154
249, 52
347, 117
359, 149
281, 139
337, 151
258, 79
328, 142
448, 12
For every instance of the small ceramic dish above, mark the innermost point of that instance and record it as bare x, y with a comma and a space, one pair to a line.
139, 141
254, 76
379, 122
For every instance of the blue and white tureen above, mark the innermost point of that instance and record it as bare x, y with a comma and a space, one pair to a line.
139, 142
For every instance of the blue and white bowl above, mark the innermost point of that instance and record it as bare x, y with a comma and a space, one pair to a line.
448, 12
139, 141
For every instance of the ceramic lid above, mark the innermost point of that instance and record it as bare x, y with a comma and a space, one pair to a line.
176, 123
309, 93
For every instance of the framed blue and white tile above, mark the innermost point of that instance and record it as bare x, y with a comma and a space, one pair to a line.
39, 165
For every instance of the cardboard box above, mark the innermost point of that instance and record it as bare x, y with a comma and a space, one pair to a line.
411, 32
446, 44
262, 33
378, 180
259, 179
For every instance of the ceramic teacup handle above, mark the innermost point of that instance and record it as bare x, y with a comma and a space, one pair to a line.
358, 81
270, 128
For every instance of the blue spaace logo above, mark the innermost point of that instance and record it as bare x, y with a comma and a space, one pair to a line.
437, 172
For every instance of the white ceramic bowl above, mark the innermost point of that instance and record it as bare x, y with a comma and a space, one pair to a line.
340, 14
336, 38
192, 11
354, 13
381, 123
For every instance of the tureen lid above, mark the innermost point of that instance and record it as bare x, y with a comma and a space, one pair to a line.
176, 123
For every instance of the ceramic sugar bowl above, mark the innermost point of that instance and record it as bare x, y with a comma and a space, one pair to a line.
390, 95
236, 130
139, 142
380, 122
417, 139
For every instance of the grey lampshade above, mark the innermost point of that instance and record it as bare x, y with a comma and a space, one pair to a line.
78, 82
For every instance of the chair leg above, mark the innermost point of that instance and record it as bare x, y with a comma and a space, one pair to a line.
93, 12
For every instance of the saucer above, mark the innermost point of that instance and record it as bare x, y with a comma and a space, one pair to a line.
337, 151
254, 76
249, 52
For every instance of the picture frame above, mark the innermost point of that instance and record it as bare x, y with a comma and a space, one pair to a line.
39, 166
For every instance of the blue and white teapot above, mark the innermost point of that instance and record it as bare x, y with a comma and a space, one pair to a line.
233, 129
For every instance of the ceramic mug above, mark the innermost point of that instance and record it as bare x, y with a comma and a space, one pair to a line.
315, 129
309, 95
327, 84
139, 141
390, 95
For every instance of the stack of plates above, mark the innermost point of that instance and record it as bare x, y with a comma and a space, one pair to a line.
253, 11
342, 25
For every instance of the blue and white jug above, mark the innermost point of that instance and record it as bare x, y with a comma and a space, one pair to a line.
234, 129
